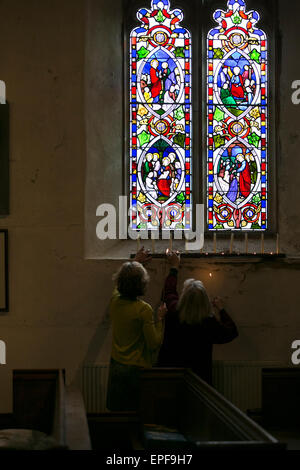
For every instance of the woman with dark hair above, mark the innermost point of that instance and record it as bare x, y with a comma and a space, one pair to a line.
136, 335
192, 325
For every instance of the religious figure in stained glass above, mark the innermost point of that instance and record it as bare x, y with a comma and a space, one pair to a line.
237, 113
160, 120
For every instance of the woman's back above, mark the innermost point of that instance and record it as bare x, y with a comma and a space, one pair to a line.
133, 333
189, 337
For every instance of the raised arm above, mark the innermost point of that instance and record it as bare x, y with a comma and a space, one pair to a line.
223, 328
170, 294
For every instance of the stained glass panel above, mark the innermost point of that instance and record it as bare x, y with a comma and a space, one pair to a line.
160, 120
237, 114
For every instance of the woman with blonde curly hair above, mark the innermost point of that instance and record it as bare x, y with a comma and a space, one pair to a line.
136, 334
192, 325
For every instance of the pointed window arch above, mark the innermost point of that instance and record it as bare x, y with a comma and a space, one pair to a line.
237, 113
160, 120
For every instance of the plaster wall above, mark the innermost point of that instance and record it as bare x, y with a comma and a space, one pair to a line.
59, 299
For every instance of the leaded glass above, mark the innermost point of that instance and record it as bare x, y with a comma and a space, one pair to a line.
237, 111
160, 120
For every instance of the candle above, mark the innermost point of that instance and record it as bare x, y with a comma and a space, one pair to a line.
138, 240
246, 243
262, 243
153, 245
231, 243
277, 244
171, 242
215, 243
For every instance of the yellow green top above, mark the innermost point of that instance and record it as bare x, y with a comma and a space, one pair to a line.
135, 335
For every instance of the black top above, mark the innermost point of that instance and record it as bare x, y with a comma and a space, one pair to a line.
190, 346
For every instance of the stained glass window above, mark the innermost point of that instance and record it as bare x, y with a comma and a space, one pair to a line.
237, 113
160, 120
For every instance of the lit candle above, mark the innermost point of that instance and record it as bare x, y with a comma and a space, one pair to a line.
231, 243
138, 240
215, 243
153, 245
246, 243
262, 243
277, 244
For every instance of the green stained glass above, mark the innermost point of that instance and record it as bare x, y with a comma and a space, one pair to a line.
237, 19
219, 115
254, 139
179, 139
255, 55
179, 52
144, 138
180, 198
219, 141
256, 199
142, 52
160, 111
179, 113
160, 17
218, 54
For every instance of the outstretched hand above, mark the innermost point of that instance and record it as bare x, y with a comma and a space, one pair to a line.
143, 256
218, 304
161, 312
173, 258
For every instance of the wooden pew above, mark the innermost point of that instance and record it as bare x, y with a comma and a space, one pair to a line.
178, 399
54, 413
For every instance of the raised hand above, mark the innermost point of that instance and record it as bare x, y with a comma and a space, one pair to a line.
173, 258
143, 256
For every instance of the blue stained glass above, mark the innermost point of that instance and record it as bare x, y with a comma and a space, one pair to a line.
238, 69
180, 31
159, 122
